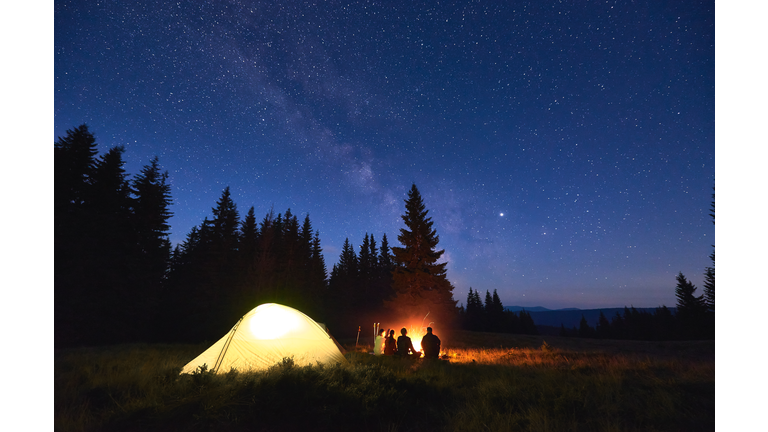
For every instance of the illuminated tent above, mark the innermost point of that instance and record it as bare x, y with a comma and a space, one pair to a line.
266, 335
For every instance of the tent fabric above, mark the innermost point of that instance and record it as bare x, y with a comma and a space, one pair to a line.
266, 335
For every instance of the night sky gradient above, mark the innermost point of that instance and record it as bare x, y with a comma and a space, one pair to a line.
565, 150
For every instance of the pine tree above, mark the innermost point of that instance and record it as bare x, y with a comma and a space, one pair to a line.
373, 252
709, 274
110, 189
687, 302
225, 224
385, 256
365, 263
114, 256
527, 326
663, 324
585, 331
384, 268
348, 262
249, 237
603, 328
496, 313
81, 268
709, 287
420, 283
151, 211
304, 254
290, 260
318, 272
474, 312
690, 308
74, 163
489, 325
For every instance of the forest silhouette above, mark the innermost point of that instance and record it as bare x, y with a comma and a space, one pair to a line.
118, 279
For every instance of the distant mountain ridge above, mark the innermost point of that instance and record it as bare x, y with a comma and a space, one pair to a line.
571, 317
527, 309
535, 309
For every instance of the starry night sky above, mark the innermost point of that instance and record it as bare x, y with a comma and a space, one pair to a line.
565, 150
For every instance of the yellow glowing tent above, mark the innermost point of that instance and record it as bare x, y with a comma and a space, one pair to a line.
266, 335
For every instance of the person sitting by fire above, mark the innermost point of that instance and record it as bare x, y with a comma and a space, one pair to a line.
430, 344
390, 346
378, 343
405, 347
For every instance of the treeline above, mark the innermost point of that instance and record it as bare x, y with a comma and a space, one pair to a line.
492, 317
227, 265
360, 283
117, 279
111, 243
694, 318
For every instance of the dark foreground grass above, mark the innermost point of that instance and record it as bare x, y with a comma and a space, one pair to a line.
607, 386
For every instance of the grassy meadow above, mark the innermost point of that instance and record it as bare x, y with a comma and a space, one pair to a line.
490, 382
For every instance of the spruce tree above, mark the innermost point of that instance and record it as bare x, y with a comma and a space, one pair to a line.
318, 275
496, 313
225, 224
687, 301
249, 236
475, 313
420, 283
527, 326
603, 328
151, 211
304, 254
385, 255
74, 162
663, 324
110, 189
366, 267
488, 313
690, 308
79, 268
122, 273
585, 331
709, 287
384, 268
709, 273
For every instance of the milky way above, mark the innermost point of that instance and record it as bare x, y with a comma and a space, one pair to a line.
565, 150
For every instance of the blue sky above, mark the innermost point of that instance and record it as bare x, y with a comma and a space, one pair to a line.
566, 152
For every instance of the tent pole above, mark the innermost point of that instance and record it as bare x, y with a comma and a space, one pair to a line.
358, 336
226, 346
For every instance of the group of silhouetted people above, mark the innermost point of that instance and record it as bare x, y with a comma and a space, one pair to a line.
403, 346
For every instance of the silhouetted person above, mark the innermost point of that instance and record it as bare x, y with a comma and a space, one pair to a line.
430, 344
390, 346
378, 343
405, 346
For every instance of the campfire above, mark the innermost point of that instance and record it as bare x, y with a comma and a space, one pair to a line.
415, 331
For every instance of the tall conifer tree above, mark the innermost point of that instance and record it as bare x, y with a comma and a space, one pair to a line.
420, 283
709, 273
691, 309
151, 212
